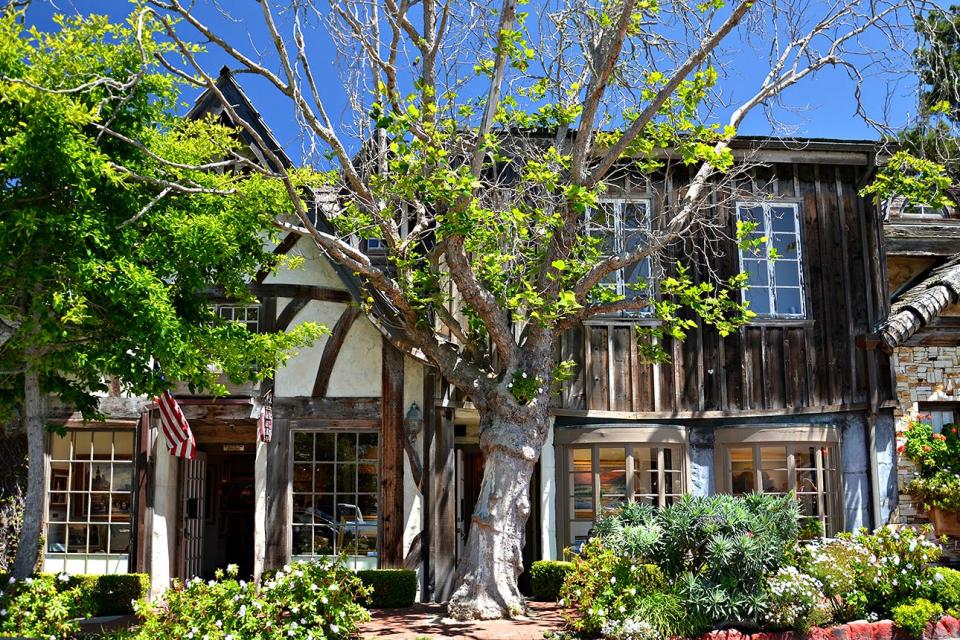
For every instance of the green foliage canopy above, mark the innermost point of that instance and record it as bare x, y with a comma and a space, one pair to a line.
109, 248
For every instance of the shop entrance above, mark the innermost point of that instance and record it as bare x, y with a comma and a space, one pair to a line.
217, 511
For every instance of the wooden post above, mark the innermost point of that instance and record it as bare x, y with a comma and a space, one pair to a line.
277, 509
391, 458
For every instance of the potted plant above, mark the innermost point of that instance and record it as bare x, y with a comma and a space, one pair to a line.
936, 457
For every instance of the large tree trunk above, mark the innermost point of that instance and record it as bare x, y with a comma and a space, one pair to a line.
492, 560
29, 544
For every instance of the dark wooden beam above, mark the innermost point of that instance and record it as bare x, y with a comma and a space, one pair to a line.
290, 312
303, 408
391, 457
288, 243
282, 290
278, 518
332, 349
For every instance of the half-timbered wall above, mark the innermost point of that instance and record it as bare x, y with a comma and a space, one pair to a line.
771, 365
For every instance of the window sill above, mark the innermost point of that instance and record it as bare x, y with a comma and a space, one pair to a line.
781, 322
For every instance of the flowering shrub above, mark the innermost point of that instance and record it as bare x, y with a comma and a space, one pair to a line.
42, 606
607, 589
897, 568
936, 457
930, 452
302, 601
834, 564
796, 600
629, 629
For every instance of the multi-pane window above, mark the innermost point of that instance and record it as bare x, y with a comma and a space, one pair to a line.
603, 478
940, 416
808, 469
922, 210
623, 226
246, 314
772, 261
335, 495
89, 502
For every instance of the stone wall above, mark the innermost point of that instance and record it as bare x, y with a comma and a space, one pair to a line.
924, 374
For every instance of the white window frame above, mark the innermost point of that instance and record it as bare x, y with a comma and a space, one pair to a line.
105, 523
370, 561
767, 231
921, 210
678, 467
618, 238
241, 313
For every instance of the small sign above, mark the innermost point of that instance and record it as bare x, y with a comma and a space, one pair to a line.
234, 447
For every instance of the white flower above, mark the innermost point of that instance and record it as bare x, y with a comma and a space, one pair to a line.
540, 390
323, 599
63, 577
524, 374
219, 623
286, 568
28, 580
232, 568
243, 610
476, 384
3, 612
12, 580
334, 628
334, 587
613, 580
510, 386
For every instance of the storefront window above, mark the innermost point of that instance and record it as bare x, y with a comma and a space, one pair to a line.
335, 496
809, 469
89, 502
603, 478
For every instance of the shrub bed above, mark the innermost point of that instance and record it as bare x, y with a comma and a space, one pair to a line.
303, 600
390, 588
46, 605
726, 562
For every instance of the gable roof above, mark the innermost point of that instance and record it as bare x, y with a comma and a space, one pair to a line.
914, 308
325, 200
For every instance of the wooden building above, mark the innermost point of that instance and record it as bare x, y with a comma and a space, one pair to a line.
373, 456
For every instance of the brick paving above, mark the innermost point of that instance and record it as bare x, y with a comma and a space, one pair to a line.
430, 621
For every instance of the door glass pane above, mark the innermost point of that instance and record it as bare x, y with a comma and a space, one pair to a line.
741, 470
773, 469
581, 483
613, 476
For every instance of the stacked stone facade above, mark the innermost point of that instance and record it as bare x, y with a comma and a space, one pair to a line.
923, 374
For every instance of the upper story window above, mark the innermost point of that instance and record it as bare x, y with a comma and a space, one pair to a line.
246, 314
773, 267
623, 225
922, 211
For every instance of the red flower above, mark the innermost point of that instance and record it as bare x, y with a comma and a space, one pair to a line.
927, 448
901, 449
953, 429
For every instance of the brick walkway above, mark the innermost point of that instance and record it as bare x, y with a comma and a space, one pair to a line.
428, 621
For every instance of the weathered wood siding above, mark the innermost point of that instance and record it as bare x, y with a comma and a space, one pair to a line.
771, 365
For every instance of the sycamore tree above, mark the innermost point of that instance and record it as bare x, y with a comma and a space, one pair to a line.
118, 219
477, 145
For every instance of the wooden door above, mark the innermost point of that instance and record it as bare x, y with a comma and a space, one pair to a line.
193, 482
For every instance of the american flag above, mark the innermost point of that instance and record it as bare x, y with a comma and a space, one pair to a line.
175, 429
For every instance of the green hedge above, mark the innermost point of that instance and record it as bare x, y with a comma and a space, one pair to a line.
546, 578
106, 595
392, 588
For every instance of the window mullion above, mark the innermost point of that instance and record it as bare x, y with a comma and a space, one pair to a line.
629, 473
771, 275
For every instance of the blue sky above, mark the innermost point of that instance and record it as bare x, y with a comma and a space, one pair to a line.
823, 107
